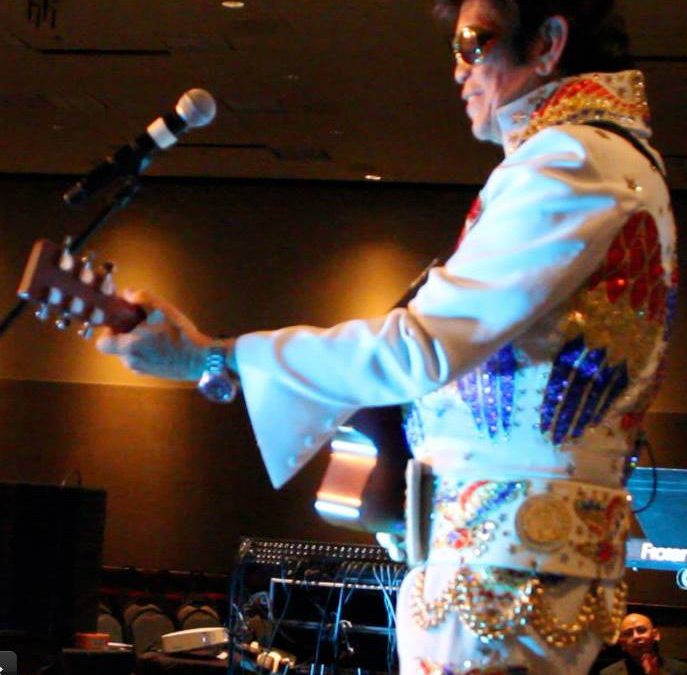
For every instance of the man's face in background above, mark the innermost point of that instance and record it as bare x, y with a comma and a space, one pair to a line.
637, 636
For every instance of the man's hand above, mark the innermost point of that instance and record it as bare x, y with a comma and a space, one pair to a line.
167, 344
394, 544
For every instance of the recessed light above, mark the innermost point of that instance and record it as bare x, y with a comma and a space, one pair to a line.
372, 177
233, 4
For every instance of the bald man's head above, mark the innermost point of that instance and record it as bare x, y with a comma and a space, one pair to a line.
638, 635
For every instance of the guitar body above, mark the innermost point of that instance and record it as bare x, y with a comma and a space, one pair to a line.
364, 485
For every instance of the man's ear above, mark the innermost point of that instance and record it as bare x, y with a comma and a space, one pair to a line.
657, 635
552, 41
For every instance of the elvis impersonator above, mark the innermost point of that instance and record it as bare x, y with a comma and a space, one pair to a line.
524, 364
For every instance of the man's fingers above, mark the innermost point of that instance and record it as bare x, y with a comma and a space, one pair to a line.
126, 346
155, 316
166, 343
134, 362
138, 297
109, 343
157, 309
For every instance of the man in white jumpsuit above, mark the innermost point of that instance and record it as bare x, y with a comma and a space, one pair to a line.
525, 363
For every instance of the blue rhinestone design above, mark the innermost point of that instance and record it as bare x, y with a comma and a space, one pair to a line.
671, 310
582, 387
489, 392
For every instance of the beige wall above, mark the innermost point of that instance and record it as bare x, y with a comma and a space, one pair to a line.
182, 476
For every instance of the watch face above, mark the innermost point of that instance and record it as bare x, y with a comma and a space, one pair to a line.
217, 387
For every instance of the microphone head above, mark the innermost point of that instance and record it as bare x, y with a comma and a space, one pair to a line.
196, 107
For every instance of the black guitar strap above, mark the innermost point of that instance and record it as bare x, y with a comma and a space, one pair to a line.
421, 278
632, 140
612, 127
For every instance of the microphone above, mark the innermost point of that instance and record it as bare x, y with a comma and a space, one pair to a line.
195, 108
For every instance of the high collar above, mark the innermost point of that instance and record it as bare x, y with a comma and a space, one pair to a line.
613, 97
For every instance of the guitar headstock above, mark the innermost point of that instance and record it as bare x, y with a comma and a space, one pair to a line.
72, 289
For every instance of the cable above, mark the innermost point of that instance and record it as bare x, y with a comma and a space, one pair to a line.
382, 574
236, 592
287, 602
338, 622
643, 442
340, 577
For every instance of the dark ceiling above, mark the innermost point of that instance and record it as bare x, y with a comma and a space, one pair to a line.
331, 90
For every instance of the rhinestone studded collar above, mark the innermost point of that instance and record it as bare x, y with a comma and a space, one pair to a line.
615, 97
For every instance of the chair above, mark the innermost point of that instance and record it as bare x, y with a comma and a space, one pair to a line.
145, 625
197, 615
107, 623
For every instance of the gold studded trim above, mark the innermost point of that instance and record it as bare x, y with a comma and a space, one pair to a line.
430, 667
616, 97
495, 604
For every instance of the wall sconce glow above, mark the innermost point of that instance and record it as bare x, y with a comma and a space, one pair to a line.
233, 4
328, 508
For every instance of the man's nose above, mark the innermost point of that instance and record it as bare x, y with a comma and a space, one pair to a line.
461, 71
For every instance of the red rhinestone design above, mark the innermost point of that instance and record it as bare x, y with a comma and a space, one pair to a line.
633, 266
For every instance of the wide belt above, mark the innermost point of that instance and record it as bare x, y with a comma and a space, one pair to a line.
542, 525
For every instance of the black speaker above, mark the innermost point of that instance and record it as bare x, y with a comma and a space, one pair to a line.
51, 542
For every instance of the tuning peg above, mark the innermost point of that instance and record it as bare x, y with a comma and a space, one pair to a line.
76, 306
43, 312
97, 317
63, 321
55, 296
66, 257
107, 285
87, 273
86, 331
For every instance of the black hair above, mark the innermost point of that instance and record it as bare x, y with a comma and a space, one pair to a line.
597, 41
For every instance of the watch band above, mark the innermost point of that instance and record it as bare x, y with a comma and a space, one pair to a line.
217, 383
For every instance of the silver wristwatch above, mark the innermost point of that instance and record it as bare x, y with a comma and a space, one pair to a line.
217, 383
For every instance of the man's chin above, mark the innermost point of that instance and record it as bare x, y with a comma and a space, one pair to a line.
485, 132
637, 654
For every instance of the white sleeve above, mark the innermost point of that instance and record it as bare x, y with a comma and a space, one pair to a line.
550, 213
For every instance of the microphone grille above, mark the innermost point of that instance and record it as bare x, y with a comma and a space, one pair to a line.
197, 107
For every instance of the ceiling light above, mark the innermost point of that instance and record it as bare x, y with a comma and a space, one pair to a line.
233, 4
372, 177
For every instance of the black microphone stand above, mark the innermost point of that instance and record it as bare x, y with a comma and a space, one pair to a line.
118, 201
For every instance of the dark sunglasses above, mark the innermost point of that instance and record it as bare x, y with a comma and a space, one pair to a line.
471, 45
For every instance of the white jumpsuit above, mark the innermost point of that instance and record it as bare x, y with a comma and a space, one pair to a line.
525, 364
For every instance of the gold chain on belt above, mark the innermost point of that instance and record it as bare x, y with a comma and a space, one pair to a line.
492, 613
